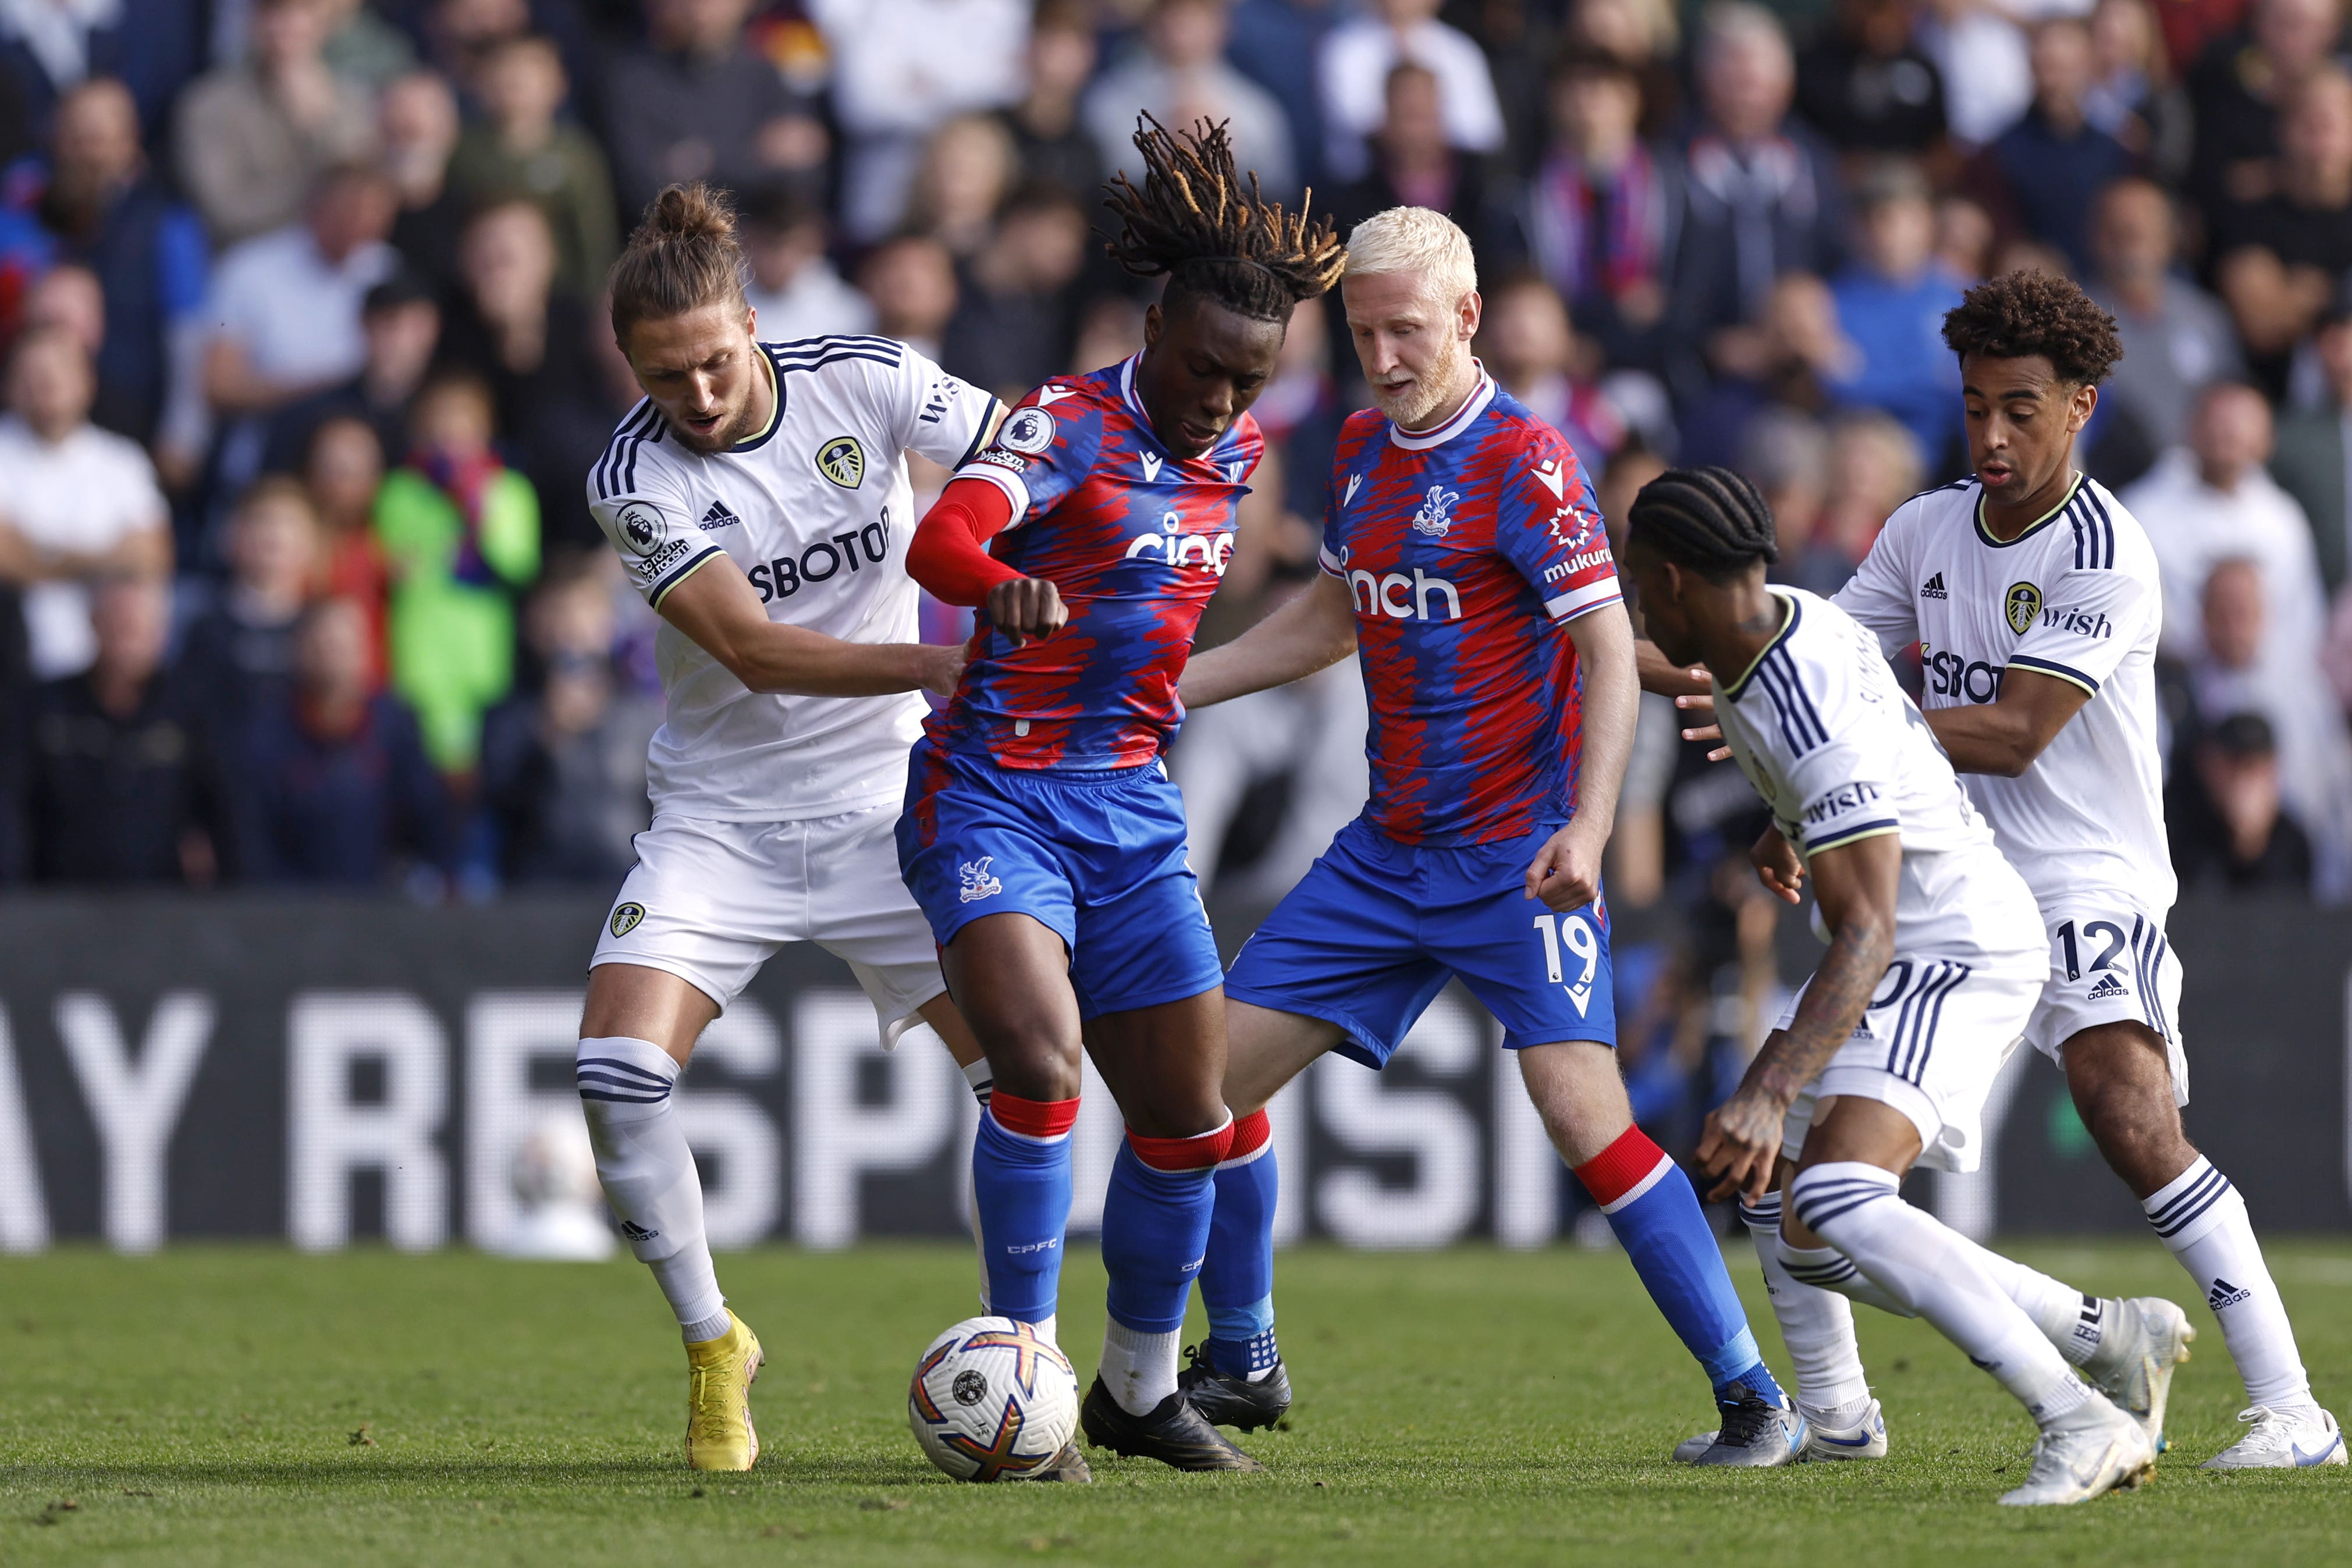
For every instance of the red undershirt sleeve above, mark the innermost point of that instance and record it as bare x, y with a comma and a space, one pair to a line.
948, 556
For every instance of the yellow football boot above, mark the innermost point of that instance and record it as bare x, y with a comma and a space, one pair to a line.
719, 1374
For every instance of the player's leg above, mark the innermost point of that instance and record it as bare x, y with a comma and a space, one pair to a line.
1846, 1192
2122, 1086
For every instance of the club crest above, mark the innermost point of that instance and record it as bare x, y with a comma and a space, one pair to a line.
2021, 604
977, 884
842, 461
1436, 514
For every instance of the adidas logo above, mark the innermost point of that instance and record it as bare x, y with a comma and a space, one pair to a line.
719, 516
2108, 986
2225, 1294
635, 1232
1934, 587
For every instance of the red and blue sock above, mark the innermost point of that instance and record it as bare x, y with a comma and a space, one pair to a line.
1020, 1185
1656, 1214
1237, 1275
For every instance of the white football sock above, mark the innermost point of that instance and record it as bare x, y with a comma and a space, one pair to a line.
983, 1079
1138, 1368
1928, 1268
1827, 1269
1816, 1324
2067, 1318
2203, 1219
649, 1172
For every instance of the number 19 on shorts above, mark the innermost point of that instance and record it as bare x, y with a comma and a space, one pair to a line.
1573, 933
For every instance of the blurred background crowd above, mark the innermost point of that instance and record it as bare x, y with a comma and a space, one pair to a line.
306, 358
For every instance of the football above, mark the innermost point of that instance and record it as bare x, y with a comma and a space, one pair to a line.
991, 1400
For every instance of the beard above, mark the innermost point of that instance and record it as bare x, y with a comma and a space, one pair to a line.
727, 433
1411, 404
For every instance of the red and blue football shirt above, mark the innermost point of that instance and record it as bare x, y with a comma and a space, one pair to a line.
1135, 539
1467, 549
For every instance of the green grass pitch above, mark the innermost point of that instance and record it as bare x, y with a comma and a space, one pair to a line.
231, 1405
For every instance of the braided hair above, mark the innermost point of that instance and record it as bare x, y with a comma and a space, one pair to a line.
1191, 223
1709, 520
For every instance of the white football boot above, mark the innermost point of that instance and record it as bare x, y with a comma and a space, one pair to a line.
2146, 1338
1862, 1437
2078, 1463
2282, 1441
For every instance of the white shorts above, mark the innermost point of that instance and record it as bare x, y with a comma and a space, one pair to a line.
2109, 963
1935, 1037
710, 901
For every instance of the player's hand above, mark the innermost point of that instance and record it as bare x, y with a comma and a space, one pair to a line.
1566, 873
1776, 867
1026, 607
1703, 706
941, 668
1740, 1144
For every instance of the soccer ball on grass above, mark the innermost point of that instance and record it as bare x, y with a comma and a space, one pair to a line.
991, 1401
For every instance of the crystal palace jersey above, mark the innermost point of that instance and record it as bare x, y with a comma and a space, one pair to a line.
818, 511
1135, 540
1823, 731
1467, 549
2075, 597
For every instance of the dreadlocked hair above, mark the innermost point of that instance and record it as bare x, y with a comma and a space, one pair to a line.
1190, 222
2021, 314
1709, 520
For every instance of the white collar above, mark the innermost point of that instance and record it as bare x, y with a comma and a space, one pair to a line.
1421, 440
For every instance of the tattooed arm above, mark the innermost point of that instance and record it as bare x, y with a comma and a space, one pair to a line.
1856, 883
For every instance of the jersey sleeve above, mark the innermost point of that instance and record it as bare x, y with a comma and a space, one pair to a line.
1549, 527
935, 415
1043, 450
2086, 621
637, 504
1829, 749
1879, 596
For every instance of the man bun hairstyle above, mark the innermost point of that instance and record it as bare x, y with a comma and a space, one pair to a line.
1709, 520
1192, 222
2021, 314
682, 256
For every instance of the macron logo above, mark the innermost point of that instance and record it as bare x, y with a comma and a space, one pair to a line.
1151, 467
1934, 587
1355, 482
1553, 474
1049, 396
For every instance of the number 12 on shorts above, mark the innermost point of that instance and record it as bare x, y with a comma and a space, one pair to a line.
1574, 933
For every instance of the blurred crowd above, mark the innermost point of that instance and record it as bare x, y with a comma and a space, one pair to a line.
306, 357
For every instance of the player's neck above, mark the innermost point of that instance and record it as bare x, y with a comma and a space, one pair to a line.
1465, 386
2004, 520
1729, 644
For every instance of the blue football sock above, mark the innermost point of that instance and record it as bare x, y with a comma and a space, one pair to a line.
1020, 1185
1651, 1208
1237, 1275
1155, 1228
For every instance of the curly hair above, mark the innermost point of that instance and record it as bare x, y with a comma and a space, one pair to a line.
1192, 222
2024, 313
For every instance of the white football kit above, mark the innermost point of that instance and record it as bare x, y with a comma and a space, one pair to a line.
773, 815
1831, 742
2076, 596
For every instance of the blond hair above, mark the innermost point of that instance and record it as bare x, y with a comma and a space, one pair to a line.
1418, 241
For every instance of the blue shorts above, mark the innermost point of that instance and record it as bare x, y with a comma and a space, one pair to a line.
1097, 857
1372, 933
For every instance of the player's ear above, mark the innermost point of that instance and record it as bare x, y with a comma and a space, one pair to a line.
1469, 313
750, 320
2085, 404
1152, 323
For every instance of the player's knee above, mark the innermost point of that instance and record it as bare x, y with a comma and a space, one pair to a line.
1030, 1059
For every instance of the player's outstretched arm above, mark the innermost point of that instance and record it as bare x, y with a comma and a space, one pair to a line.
2003, 736
1312, 630
1661, 674
1856, 883
1566, 873
719, 609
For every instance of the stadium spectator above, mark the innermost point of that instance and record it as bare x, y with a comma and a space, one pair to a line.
2314, 447
77, 502
1178, 76
1874, 467
1646, 36
1787, 453
113, 774
563, 769
101, 209
2280, 257
401, 325
238, 655
793, 285
48, 48
362, 46
1981, 54
285, 308
2175, 337
2136, 96
695, 104
964, 174
253, 138
1530, 347
521, 149
2241, 86
336, 788
68, 297
1353, 71
416, 119
1797, 353
341, 472
461, 532
2225, 814
1413, 165
1276, 44
911, 280
1867, 87
900, 70
1603, 208
1763, 196
1891, 303
1016, 321
2043, 173
1050, 139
